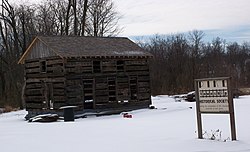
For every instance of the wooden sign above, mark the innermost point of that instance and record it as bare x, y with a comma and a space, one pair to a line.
214, 95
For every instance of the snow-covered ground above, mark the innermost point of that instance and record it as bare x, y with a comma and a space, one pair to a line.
171, 127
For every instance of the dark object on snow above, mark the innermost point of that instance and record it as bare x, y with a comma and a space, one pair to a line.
127, 115
190, 96
45, 118
152, 107
68, 113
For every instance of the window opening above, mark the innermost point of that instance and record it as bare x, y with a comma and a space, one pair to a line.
96, 66
120, 65
43, 66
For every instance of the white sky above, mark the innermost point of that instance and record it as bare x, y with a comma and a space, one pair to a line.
149, 17
146, 17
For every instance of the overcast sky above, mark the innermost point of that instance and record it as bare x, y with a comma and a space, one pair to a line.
224, 18
229, 19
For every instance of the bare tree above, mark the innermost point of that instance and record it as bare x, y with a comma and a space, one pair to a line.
10, 52
103, 18
84, 16
71, 3
195, 40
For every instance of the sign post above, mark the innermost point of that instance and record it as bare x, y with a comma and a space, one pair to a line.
214, 96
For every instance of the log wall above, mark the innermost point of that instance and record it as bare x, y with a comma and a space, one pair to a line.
86, 83
108, 83
44, 89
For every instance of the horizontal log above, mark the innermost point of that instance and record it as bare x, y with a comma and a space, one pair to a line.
35, 80
59, 85
59, 101
122, 85
32, 65
74, 94
109, 63
74, 101
35, 105
78, 63
54, 62
78, 60
143, 96
107, 105
33, 92
56, 68
101, 92
101, 79
144, 78
101, 105
59, 98
33, 70
123, 98
143, 90
58, 92
43, 75
90, 75
109, 69
31, 60
73, 82
79, 69
101, 86
143, 84
101, 99
137, 68
132, 73
145, 101
122, 79
34, 98
39, 80
33, 85
57, 106
136, 62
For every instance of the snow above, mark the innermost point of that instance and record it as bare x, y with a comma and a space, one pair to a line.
170, 127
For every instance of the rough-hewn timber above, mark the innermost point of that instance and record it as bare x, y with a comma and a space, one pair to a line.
90, 73
85, 83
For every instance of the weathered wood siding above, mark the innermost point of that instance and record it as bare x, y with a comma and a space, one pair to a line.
86, 83
44, 89
40, 50
107, 83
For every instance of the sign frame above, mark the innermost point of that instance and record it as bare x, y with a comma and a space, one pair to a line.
230, 109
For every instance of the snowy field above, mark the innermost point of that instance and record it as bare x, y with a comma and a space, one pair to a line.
169, 128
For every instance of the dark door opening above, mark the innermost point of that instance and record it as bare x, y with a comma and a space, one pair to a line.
88, 91
133, 87
48, 95
112, 89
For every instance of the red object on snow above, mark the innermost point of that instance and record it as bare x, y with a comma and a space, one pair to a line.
126, 115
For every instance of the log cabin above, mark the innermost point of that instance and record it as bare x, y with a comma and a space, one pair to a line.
92, 73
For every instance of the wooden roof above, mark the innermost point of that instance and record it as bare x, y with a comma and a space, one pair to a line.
76, 46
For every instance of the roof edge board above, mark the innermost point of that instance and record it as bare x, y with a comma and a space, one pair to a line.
21, 60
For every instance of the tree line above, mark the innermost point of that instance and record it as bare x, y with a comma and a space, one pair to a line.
19, 24
178, 59
181, 58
